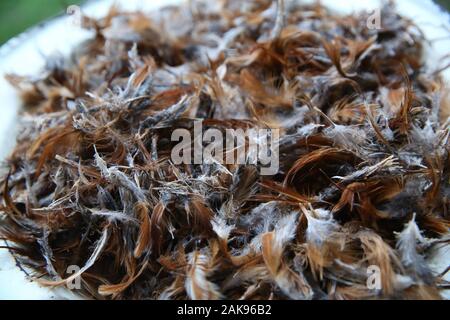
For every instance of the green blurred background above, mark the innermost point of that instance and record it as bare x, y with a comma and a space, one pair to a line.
18, 15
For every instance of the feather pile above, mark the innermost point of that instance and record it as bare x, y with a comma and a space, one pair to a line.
364, 157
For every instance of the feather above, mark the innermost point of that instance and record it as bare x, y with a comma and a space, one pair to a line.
319, 229
378, 253
293, 285
143, 241
115, 289
197, 285
99, 247
157, 226
409, 241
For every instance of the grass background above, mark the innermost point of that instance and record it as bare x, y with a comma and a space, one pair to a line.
18, 15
